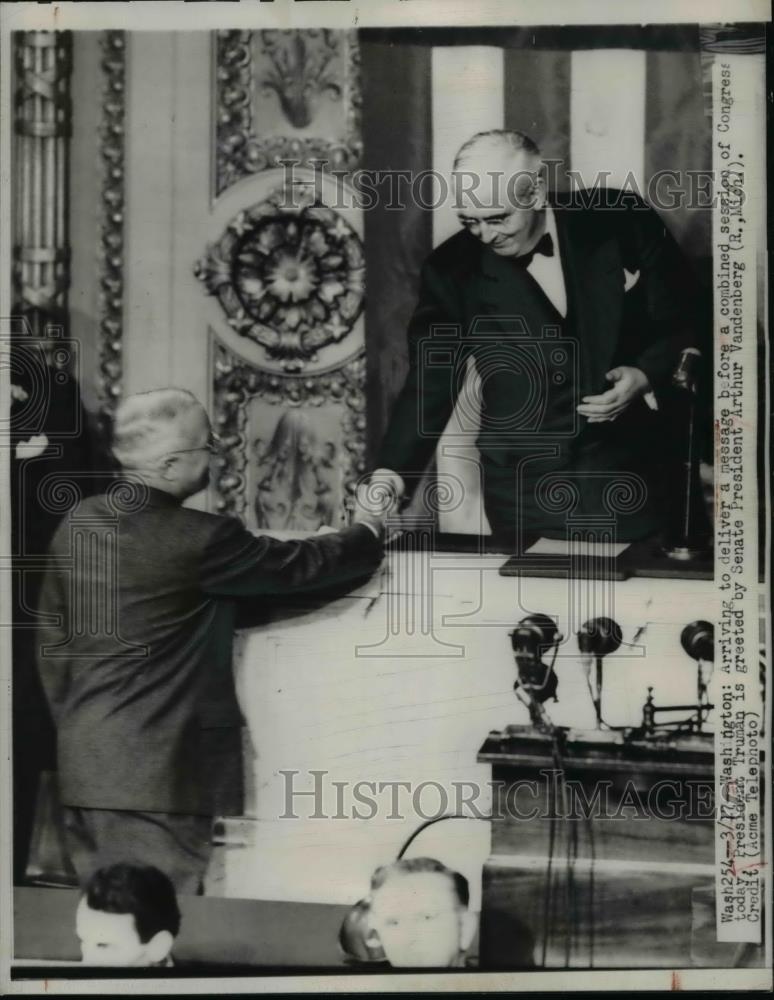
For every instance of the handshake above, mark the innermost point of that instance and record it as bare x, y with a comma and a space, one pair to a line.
377, 498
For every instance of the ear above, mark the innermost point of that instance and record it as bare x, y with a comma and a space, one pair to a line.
167, 466
468, 928
541, 190
159, 947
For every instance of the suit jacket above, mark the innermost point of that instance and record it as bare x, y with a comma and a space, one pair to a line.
474, 303
137, 659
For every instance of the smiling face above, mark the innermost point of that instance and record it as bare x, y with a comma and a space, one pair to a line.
501, 198
112, 939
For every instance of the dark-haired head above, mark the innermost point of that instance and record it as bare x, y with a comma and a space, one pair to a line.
128, 915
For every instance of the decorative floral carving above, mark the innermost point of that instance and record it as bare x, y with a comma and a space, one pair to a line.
111, 247
298, 475
237, 384
289, 275
300, 75
300, 71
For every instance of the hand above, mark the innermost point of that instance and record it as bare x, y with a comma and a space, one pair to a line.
628, 384
378, 498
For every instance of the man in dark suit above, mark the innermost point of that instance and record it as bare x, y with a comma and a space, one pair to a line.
574, 311
50, 443
141, 594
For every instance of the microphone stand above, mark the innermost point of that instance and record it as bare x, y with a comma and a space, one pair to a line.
598, 638
598, 699
686, 545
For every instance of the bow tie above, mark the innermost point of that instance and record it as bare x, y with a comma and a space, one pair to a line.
544, 245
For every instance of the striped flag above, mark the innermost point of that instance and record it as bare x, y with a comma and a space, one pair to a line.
625, 112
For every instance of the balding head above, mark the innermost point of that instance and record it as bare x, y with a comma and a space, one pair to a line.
163, 436
496, 144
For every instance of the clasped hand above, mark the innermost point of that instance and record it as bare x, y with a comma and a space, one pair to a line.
378, 498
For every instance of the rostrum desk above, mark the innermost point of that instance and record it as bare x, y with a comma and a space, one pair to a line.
603, 847
400, 681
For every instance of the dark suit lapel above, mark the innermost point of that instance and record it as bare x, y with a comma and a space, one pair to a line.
593, 275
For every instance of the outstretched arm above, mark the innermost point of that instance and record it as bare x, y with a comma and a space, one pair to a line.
237, 563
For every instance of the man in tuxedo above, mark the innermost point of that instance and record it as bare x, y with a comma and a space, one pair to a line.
574, 310
136, 662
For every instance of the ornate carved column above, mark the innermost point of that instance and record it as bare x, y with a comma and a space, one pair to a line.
287, 267
43, 118
112, 150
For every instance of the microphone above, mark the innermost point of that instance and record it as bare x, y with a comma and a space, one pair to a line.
536, 682
685, 376
600, 637
597, 638
698, 641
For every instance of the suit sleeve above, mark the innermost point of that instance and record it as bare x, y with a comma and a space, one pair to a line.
54, 670
666, 300
236, 563
427, 399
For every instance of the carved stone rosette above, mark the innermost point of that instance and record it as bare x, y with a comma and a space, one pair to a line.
303, 69
111, 245
290, 275
237, 384
42, 125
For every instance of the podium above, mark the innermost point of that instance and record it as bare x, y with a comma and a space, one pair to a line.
602, 849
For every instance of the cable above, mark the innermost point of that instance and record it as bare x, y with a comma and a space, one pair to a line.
436, 819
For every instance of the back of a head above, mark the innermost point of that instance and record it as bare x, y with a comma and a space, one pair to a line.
146, 423
142, 891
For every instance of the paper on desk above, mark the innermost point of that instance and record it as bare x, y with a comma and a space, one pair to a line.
560, 547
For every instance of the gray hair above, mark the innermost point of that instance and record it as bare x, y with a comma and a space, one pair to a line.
143, 419
497, 138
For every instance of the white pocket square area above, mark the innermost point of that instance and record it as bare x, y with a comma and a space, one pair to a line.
630, 279
33, 447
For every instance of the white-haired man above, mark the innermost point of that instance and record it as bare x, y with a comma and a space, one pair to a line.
141, 594
573, 308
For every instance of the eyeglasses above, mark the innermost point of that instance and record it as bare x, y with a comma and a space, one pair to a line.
495, 222
525, 199
212, 446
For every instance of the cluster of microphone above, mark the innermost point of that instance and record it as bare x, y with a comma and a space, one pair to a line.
538, 636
